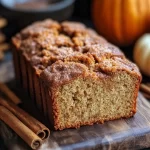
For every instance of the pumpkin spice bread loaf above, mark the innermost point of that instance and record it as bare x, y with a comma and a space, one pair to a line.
74, 76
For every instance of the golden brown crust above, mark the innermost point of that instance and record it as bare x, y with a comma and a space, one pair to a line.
60, 53
47, 42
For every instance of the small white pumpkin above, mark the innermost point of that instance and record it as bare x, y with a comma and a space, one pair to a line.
141, 54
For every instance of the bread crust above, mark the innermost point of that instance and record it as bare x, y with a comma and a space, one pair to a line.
48, 55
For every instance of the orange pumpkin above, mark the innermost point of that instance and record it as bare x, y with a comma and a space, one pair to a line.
121, 21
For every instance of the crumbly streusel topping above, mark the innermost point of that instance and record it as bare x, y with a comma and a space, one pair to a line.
48, 43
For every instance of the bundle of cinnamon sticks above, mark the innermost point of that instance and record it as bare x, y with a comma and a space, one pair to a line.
145, 90
28, 128
3, 45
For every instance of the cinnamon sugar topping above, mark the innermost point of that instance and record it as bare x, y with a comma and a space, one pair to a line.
47, 42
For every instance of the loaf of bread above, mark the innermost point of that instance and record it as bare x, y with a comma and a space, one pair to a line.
74, 76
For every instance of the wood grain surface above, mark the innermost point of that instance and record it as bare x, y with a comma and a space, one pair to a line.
123, 134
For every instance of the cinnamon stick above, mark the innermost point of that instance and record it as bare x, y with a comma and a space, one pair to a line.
145, 88
9, 94
3, 22
38, 128
24, 132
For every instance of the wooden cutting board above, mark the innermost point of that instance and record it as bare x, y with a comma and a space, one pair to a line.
123, 134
